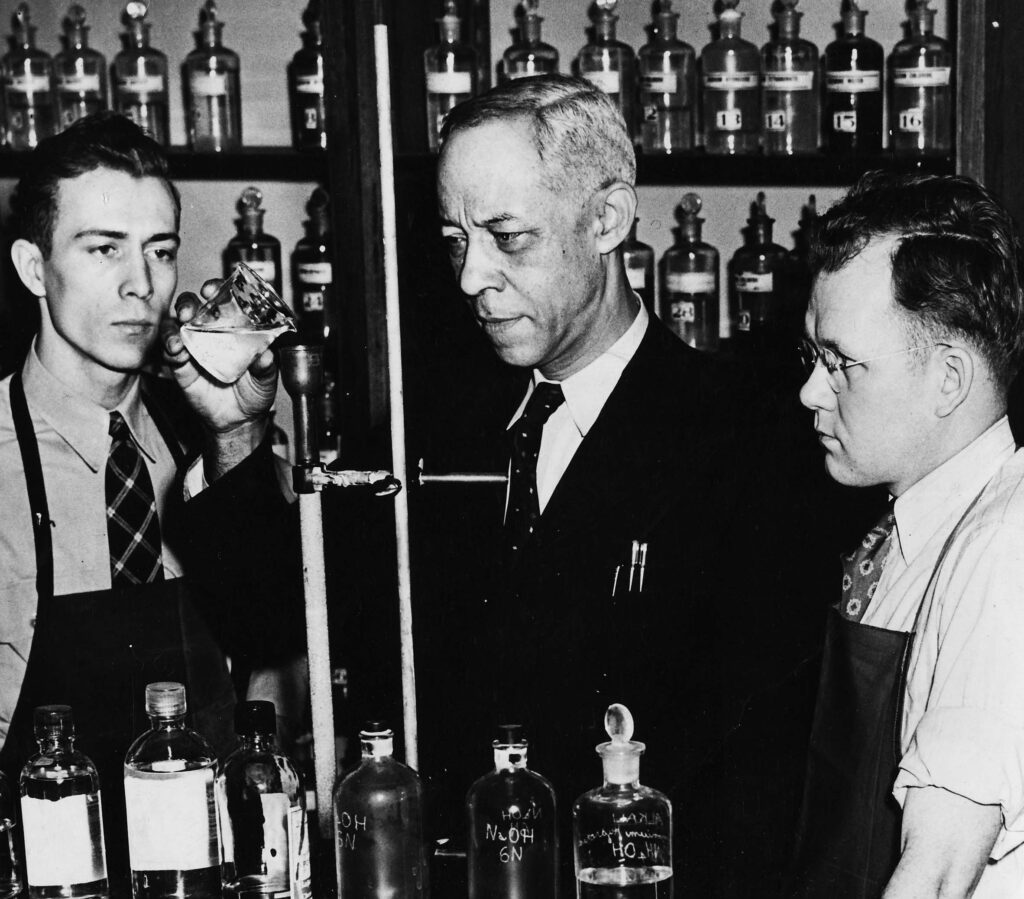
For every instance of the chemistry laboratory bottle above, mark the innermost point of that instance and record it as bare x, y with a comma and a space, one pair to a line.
313, 272
799, 262
622, 831
213, 98
10, 882
140, 77
689, 281
639, 260
790, 95
378, 825
263, 813
667, 71
512, 827
169, 786
29, 112
79, 71
731, 88
306, 85
851, 117
260, 251
758, 272
529, 55
609, 64
921, 88
450, 68
61, 813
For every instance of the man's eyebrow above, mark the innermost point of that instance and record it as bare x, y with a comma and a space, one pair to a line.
171, 236
123, 235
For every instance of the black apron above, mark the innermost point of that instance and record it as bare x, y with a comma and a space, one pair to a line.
97, 652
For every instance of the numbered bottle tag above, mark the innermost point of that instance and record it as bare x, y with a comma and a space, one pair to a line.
845, 122
911, 121
775, 121
729, 120
684, 312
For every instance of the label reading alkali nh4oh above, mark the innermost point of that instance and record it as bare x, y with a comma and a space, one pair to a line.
59, 841
853, 82
142, 84
78, 84
930, 76
609, 82
206, 84
660, 83
449, 83
788, 81
28, 84
690, 282
754, 282
732, 81
310, 84
637, 277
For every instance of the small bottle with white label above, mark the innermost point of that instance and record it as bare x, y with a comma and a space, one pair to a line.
639, 260
169, 793
790, 97
610, 64
80, 72
213, 96
450, 69
140, 77
313, 272
529, 55
306, 85
29, 110
851, 117
263, 814
61, 812
921, 88
689, 281
667, 68
251, 245
731, 88
10, 879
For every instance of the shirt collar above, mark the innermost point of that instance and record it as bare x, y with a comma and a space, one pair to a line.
949, 489
81, 423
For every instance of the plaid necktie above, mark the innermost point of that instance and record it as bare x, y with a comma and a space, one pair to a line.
523, 506
862, 569
133, 529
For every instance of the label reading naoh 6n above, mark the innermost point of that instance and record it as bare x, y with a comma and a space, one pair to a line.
511, 840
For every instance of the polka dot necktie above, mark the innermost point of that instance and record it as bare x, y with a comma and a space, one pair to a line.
862, 569
133, 529
523, 507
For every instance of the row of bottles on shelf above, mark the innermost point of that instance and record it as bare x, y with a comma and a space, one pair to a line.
43, 95
735, 98
195, 826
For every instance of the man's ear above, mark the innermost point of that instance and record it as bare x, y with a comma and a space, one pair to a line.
28, 261
615, 218
957, 375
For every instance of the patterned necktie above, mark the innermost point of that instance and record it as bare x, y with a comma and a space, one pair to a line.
133, 529
523, 507
862, 569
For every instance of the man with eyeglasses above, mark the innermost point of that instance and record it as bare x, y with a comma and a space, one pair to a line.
914, 332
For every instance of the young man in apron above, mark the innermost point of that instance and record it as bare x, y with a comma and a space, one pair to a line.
914, 333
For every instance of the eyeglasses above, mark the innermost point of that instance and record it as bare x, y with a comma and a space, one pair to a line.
811, 354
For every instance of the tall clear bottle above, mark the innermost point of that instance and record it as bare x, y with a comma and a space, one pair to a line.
213, 95
306, 85
10, 880
639, 261
609, 64
921, 88
251, 245
80, 72
689, 281
529, 55
791, 95
169, 792
61, 812
851, 121
378, 825
668, 86
140, 77
513, 827
29, 110
263, 813
731, 88
622, 831
450, 68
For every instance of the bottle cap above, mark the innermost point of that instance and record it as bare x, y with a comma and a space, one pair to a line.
22, 24
255, 717
853, 17
690, 205
376, 740
210, 25
53, 721
620, 756
758, 211
510, 735
74, 25
165, 699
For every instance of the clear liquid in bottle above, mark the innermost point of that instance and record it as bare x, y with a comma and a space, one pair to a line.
529, 55
689, 281
29, 110
450, 69
80, 72
667, 70
610, 64
851, 122
731, 88
790, 98
212, 88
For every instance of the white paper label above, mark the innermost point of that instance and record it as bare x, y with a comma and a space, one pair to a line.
205, 84
310, 84
911, 121
775, 121
930, 76
845, 122
171, 825
690, 282
731, 81
449, 83
142, 84
789, 81
28, 84
637, 278
754, 282
78, 83
58, 841
853, 82
684, 311
609, 82
660, 83
316, 273
298, 853
265, 268
728, 120
312, 301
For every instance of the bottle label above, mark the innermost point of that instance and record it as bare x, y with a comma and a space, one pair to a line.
690, 282
142, 84
789, 81
300, 874
265, 268
743, 320
449, 83
172, 822
853, 82
310, 84
609, 82
684, 311
637, 278
79, 84
315, 273
911, 121
28, 84
776, 121
754, 282
208, 84
930, 76
312, 301
60, 845
660, 83
728, 120
845, 122
731, 81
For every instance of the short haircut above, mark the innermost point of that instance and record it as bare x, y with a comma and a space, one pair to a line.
578, 131
956, 270
104, 140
